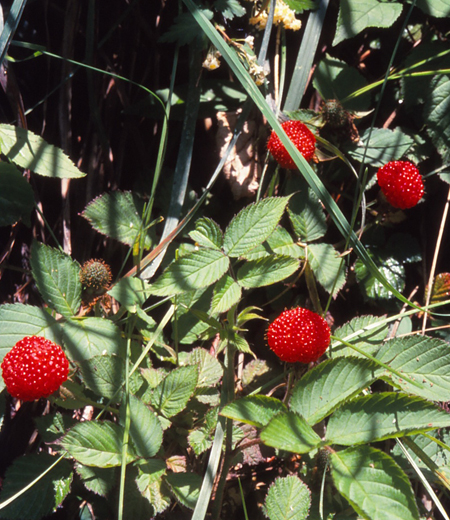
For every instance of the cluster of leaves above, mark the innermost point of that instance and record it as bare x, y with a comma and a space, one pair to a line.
162, 406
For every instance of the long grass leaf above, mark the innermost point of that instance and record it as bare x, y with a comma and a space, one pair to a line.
12, 21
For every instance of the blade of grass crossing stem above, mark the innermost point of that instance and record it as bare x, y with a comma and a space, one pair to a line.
32, 483
425, 482
310, 176
305, 57
12, 21
211, 470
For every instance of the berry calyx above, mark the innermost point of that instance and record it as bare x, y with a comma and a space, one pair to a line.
95, 276
299, 335
401, 183
35, 367
302, 138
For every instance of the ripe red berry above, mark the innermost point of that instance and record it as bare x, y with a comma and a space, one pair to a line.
35, 367
401, 183
302, 138
299, 335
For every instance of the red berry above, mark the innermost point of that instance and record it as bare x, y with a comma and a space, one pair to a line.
299, 335
401, 183
35, 367
302, 138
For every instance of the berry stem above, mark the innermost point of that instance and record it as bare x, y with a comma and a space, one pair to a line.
312, 289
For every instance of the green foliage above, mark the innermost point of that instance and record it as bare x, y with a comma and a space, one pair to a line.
288, 497
16, 199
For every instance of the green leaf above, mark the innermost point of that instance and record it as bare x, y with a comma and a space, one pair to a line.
326, 386
279, 243
301, 5
19, 320
226, 294
88, 337
328, 267
334, 79
185, 487
289, 431
30, 151
256, 410
391, 268
437, 113
382, 416
16, 196
229, 8
307, 216
436, 8
253, 225
189, 329
57, 278
288, 498
145, 429
385, 145
105, 375
118, 215
373, 483
152, 487
207, 234
365, 332
96, 444
422, 359
266, 271
357, 15
210, 370
193, 271
44, 496
98, 480
173, 393
130, 292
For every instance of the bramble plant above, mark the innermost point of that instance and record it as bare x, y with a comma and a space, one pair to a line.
285, 355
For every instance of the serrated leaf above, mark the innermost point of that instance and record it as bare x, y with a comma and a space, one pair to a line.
357, 15
16, 196
307, 216
437, 8
207, 233
57, 278
266, 271
229, 8
44, 496
227, 292
301, 5
441, 288
256, 410
422, 359
152, 487
173, 393
383, 416
437, 113
89, 337
373, 483
189, 329
210, 369
191, 272
328, 267
199, 440
288, 498
279, 243
145, 429
30, 151
97, 480
365, 332
19, 320
185, 487
253, 225
289, 431
326, 386
105, 375
385, 145
118, 215
96, 444
130, 292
